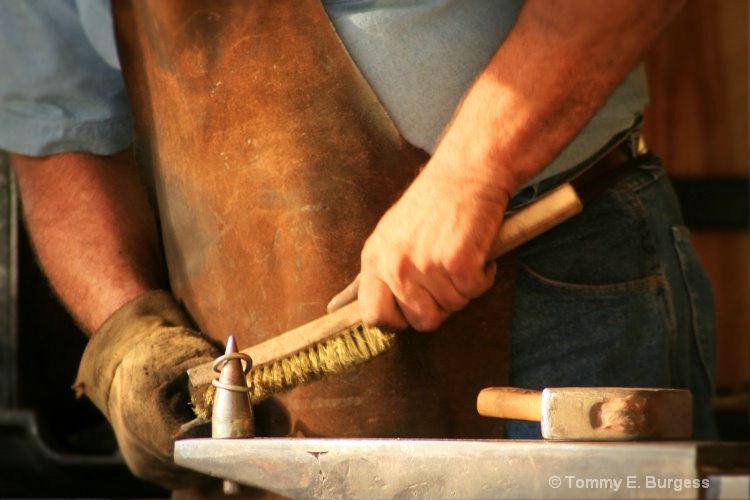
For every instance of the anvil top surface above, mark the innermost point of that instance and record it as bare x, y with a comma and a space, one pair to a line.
408, 468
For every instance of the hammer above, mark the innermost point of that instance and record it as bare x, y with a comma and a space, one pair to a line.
595, 413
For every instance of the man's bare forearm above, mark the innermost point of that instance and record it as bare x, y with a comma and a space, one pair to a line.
558, 66
93, 230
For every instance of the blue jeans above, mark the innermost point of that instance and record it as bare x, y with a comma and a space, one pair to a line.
616, 296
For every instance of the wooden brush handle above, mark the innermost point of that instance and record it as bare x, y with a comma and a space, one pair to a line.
557, 206
510, 402
529, 222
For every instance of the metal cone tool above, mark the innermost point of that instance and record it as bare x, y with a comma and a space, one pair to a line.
232, 415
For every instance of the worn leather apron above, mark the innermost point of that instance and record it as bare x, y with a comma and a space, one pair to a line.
272, 161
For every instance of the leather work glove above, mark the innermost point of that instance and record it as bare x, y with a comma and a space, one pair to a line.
134, 370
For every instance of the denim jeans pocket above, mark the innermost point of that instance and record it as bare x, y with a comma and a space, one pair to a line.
616, 296
590, 335
591, 305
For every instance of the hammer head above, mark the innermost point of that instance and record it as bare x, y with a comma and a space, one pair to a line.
616, 413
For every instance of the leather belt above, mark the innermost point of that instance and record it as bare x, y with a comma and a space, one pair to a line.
627, 149
624, 147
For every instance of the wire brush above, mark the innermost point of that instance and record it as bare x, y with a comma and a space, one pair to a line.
339, 341
328, 345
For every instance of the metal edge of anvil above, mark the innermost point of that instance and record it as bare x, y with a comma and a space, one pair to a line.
423, 468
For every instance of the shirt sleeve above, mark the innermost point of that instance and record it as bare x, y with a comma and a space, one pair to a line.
58, 92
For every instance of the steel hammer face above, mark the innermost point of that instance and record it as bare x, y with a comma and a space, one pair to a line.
595, 413
613, 413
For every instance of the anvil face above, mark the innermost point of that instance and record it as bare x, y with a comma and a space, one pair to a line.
395, 468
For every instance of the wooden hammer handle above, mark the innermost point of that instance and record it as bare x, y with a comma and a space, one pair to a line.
510, 402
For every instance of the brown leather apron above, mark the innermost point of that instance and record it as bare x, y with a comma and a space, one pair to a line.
272, 162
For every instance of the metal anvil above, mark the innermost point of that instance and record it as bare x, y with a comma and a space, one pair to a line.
417, 468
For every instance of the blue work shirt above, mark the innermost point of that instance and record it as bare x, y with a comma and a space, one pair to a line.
61, 88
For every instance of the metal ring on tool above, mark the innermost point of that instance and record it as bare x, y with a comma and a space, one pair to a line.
245, 369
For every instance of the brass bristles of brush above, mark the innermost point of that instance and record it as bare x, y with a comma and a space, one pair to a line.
335, 355
331, 344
